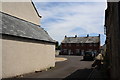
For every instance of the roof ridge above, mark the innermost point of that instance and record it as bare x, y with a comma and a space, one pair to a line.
82, 37
90, 39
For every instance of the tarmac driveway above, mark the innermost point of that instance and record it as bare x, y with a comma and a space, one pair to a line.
73, 67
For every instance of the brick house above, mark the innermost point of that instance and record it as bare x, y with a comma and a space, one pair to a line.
78, 45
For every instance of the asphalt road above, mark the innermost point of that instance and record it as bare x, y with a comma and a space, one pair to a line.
73, 67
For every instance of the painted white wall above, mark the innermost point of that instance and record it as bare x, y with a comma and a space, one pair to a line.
0, 46
25, 57
0, 6
22, 10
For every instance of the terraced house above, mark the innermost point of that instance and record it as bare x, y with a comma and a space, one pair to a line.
26, 46
78, 45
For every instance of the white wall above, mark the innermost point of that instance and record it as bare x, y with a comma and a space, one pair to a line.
0, 46
24, 57
22, 10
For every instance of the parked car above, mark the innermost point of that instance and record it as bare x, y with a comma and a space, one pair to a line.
89, 55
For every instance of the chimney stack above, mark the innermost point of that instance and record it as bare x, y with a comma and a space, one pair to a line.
75, 36
65, 36
87, 35
99, 35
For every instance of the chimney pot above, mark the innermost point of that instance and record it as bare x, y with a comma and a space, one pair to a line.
87, 35
75, 36
65, 36
99, 35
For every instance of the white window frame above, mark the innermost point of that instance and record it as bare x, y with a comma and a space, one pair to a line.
82, 44
65, 50
77, 50
82, 52
90, 49
95, 45
77, 44
69, 51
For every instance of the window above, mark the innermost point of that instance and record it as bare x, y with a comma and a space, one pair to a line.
69, 52
90, 44
65, 50
65, 44
77, 44
82, 52
77, 51
94, 44
104, 30
95, 51
69, 45
90, 49
82, 44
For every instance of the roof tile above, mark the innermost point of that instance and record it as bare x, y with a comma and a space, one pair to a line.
18, 27
93, 39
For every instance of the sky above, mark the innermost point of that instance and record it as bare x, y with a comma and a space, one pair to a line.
72, 18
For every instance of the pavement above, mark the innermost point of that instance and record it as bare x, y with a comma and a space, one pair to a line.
59, 59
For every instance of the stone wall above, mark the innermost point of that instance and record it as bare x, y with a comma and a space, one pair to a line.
113, 32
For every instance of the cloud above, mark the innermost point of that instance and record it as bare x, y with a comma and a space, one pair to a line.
75, 1
72, 18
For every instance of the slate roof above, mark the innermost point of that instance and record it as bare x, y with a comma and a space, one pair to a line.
93, 39
17, 27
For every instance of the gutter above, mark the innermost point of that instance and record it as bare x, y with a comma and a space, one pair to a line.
26, 38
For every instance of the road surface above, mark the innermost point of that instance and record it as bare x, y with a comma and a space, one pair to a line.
73, 67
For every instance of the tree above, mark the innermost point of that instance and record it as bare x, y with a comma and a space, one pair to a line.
57, 46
